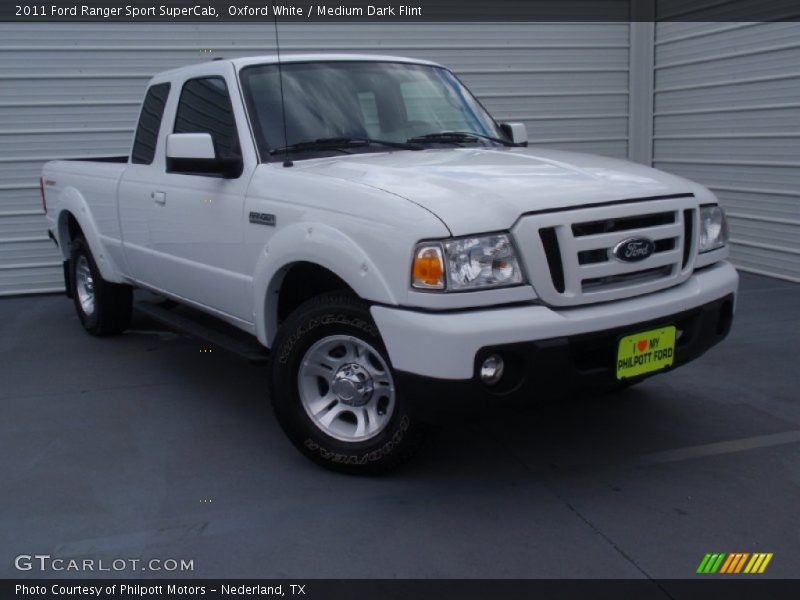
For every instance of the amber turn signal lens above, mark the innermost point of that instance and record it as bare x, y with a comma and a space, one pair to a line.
428, 271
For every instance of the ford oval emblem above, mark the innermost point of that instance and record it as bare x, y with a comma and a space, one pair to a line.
634, 249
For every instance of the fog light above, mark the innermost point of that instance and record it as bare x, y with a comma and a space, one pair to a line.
492, 369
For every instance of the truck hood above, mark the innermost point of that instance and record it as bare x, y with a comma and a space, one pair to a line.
487, 189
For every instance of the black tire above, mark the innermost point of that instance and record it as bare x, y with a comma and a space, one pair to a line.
337, 314
113, 303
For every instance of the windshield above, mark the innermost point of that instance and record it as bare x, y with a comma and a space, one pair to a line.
379, 101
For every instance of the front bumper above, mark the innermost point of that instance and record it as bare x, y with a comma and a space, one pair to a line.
547, 368
445, 345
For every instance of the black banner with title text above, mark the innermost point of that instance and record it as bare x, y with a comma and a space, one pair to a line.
400, 10
461, 589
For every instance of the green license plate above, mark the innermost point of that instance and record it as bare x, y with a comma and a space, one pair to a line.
645, 352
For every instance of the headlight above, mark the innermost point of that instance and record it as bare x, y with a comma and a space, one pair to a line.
713, 228
466, 264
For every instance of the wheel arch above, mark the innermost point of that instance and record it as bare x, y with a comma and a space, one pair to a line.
319, 257
75, 218
68, 229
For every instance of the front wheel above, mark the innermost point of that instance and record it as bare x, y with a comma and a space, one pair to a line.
334, 390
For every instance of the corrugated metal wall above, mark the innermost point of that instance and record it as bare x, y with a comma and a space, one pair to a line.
726, 106
727, 114
70, 90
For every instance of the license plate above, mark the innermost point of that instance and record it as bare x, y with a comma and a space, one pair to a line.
645, 352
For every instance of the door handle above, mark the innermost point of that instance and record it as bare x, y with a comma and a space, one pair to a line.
159, 197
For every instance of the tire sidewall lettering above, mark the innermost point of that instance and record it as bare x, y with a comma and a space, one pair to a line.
316, 322
361, 459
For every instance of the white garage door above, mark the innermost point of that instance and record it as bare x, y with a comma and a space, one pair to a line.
727, 114
74, 91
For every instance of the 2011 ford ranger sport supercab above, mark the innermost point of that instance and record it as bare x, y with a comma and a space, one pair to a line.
399, 252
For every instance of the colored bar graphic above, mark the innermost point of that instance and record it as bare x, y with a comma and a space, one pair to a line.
736, 558
703, 563
734, 563
765, 563
741, 562
727, 564
710, 564
718, 563
730, 564
757, 558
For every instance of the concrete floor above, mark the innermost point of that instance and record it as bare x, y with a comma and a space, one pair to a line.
142, 446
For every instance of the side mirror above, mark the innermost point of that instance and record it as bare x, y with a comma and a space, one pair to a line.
517, 132
194, 154
198, 146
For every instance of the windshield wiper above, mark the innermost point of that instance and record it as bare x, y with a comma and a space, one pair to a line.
341, 143
457, 137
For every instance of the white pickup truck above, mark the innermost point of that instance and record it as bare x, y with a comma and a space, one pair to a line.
400, 253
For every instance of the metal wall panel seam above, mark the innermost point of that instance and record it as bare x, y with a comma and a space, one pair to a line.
695, 35
727, 56
726, 109
727, 82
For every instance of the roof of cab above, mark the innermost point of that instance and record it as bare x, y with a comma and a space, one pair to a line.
245, 61
289, 58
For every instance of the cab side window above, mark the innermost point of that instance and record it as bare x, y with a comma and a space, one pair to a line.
205, 107
144, 142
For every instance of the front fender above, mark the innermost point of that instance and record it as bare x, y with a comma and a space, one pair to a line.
319, 244
71, 202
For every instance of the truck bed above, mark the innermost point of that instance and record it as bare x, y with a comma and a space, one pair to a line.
86, 186
100, 159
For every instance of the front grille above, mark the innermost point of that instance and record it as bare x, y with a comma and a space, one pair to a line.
589, 257
611, 281
576, 249
688, 236
600, 255
623, 224
550, 243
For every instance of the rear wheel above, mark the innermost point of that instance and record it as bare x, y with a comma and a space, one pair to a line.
334, 390
104, 308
